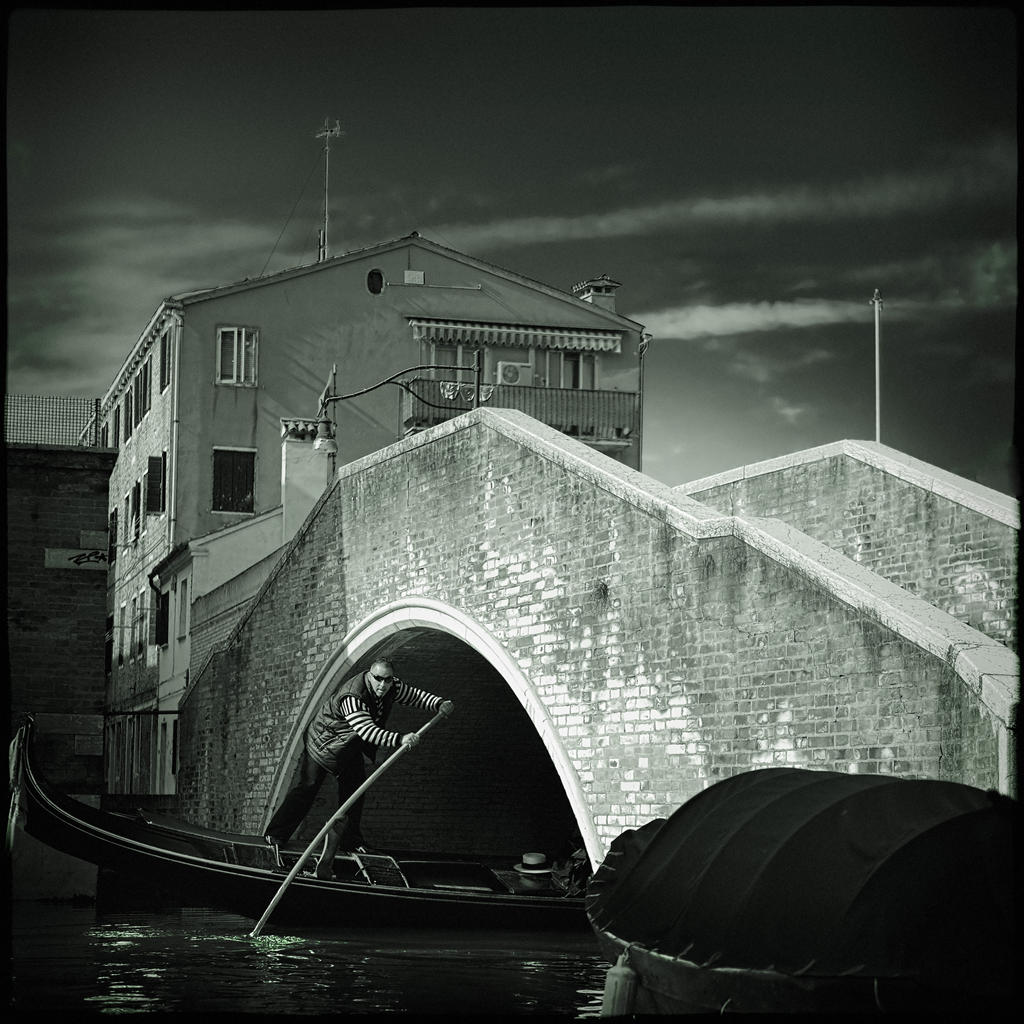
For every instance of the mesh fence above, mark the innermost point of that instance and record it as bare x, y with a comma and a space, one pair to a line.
51, 419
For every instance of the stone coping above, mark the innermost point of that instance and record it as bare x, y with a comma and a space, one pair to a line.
998, 506
693, 517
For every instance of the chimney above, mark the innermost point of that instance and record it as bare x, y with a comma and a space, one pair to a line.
303, 474
598, 290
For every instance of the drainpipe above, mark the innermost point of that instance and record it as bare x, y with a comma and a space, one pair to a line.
172, 498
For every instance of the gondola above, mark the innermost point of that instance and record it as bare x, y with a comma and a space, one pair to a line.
242, 874
795, 891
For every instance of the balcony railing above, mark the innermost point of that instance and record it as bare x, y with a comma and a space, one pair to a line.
601, 418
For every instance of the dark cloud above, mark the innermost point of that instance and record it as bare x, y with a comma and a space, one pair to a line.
750, 175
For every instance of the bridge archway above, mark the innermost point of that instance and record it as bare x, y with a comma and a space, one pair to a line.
394, 626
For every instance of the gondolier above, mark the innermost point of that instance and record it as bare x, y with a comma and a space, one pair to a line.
343, 736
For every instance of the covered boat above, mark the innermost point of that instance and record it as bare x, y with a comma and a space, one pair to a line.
242, 874
789, 890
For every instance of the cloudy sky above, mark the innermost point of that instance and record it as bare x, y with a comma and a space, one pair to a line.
750, 175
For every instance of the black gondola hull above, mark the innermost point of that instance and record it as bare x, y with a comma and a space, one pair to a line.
789, 890
238, 873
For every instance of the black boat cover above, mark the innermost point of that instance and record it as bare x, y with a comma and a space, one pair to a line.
822, 873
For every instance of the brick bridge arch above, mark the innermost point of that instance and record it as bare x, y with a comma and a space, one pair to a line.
654, 643
369, 638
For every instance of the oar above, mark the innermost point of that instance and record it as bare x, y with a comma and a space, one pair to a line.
334, 817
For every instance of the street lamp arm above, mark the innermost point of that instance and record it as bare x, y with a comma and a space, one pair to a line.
393, 379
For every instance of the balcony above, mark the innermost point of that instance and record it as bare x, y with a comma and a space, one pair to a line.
606, 420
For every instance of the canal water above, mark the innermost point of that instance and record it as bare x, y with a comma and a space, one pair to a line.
76, 960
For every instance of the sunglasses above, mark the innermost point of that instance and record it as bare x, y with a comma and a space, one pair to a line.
382, 679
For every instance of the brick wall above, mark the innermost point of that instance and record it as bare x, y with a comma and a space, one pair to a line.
56, 617
212, 631
664, 645
948, 540
216, 614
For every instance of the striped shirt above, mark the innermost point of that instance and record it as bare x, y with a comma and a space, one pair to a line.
366, 715
353, 713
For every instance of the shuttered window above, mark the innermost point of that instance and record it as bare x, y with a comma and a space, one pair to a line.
234, 478
136, 510
163, 614
112, 538
156, 484
165, 359
141, 391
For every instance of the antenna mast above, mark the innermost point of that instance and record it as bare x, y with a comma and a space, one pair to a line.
326, 133
876, 301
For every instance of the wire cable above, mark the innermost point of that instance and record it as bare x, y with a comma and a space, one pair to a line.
289, 220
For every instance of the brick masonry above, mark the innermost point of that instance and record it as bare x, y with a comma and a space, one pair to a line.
56, 617
948, 540
663, 646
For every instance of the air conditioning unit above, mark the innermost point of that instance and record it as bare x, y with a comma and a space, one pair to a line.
515, 373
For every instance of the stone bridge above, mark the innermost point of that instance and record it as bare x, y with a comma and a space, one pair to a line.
612, 646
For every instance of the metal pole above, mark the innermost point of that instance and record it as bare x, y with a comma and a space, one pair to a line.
332, 458
478, 370
327, 180
645, 340
876, 301
327, 134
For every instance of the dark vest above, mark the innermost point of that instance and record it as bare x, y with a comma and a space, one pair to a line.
330, 735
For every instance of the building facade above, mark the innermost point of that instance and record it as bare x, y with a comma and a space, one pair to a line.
56, 499
199, 408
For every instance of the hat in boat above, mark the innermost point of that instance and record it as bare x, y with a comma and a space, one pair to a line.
534, 864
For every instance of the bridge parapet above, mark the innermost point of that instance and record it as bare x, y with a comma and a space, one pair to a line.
949, 540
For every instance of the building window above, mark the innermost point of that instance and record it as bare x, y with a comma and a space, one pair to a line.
450, 354
446, 355
135, 627
129, 423
142, 386
108, 645
134, 510
139, 626
236, 356
234, 474
163, 615
182, 609
165, 360
105, 435
116, 438
112, 537
579, 371
375, 282
121, 626
155, 488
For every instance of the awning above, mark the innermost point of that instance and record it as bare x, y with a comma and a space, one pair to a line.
575, 339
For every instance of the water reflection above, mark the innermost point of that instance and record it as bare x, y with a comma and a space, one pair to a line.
198, 960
